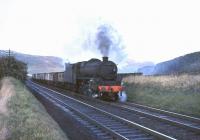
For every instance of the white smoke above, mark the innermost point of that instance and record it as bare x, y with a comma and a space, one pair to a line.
122, 96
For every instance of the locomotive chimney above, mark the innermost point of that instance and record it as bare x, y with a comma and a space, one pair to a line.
105, 59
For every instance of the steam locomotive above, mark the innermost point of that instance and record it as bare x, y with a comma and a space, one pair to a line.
93, 78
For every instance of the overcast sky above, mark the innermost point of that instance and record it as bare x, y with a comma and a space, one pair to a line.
151, 30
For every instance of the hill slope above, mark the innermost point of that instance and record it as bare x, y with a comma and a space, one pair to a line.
39, 64
132, 66
189, 63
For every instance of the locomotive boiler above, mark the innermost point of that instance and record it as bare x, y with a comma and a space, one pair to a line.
106, 70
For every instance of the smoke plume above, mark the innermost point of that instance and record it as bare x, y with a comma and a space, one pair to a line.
106, 40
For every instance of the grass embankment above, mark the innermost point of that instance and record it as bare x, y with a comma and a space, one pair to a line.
175, 93
22, 116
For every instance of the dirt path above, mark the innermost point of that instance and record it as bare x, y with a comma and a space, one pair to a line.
6, 91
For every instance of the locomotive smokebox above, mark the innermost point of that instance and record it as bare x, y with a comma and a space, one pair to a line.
105, 59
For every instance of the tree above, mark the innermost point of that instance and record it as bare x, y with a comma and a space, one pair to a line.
9, 66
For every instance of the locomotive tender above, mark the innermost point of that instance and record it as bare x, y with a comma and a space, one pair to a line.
93, 78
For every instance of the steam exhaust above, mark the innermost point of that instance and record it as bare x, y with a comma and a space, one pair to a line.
122, 96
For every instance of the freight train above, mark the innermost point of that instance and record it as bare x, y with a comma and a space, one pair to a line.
93, 78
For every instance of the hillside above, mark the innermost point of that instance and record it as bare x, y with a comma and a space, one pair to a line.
132, 66
189, 63
39, 64
147, 70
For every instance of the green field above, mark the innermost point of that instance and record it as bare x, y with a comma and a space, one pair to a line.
23, 117
175, 93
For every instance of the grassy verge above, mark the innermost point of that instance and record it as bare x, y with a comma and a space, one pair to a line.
175, 93
26, 118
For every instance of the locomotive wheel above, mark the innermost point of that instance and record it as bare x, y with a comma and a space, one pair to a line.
114, 97
88, 92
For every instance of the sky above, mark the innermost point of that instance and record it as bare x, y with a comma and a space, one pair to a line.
150, 30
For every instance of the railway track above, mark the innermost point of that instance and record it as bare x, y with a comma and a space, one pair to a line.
106, 125
176, 119
172, 124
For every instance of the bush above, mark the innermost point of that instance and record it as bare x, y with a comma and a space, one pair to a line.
9, 66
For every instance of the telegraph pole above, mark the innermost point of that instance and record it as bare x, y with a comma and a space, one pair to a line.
9, 62
9, 53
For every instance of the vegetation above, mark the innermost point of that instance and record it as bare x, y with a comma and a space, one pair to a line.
175, 93
9, 66
24, 117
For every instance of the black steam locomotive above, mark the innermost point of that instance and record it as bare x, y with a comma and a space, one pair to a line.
93, 78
